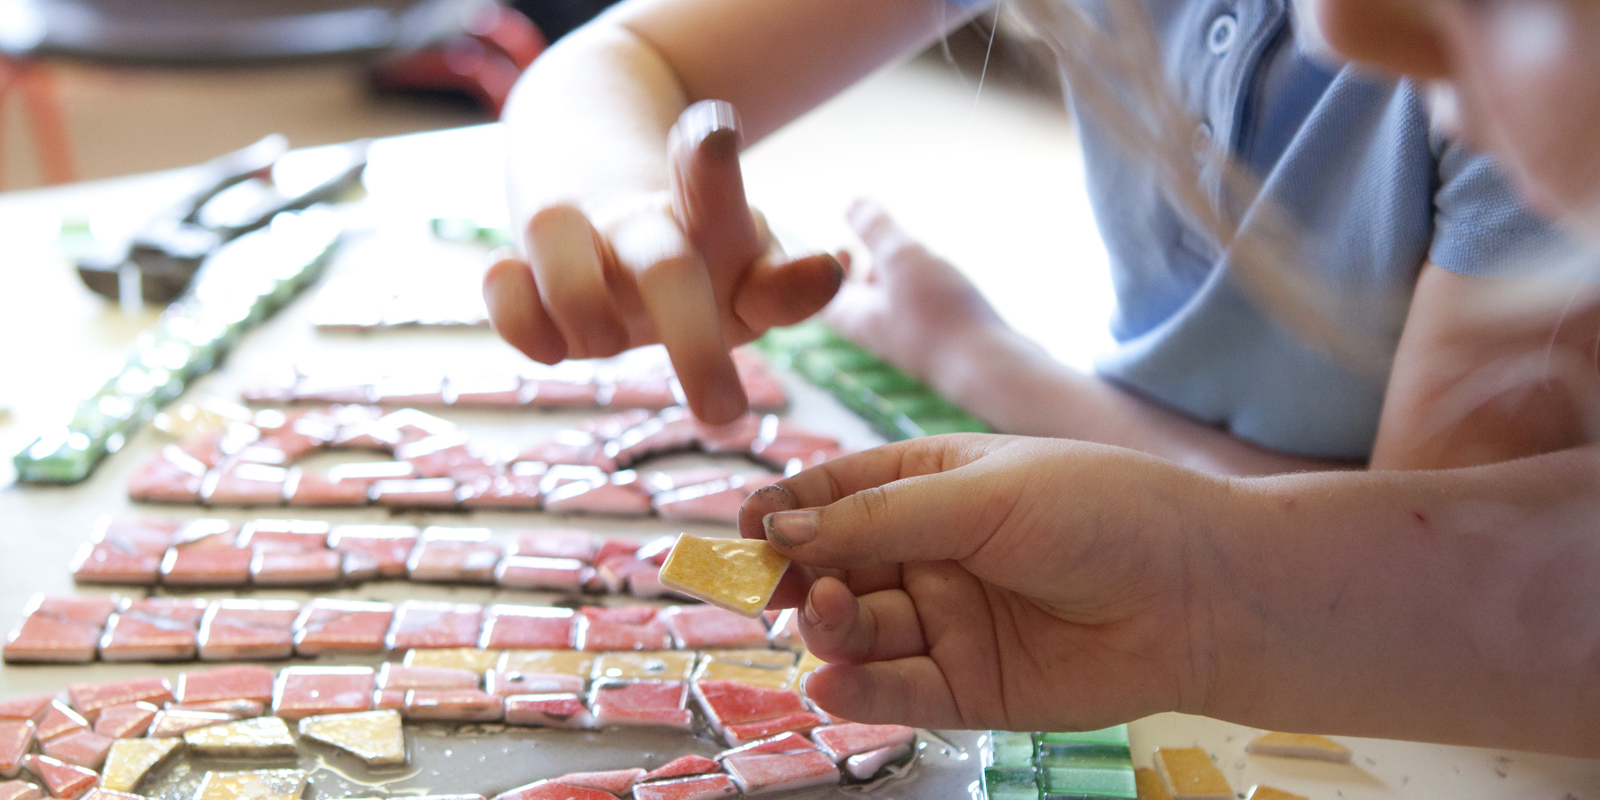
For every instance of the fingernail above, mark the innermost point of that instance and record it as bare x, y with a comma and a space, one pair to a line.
805, 679
707, 119
791, 528
838, 272
813, 618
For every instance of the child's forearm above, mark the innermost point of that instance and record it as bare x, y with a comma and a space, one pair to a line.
1447, 606
1015, 386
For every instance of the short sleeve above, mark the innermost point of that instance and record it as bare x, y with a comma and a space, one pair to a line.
1482, 228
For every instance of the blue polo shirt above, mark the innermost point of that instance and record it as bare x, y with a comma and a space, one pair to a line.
1348, 157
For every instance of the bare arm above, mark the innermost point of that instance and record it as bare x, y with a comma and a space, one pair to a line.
919, 312
1490, 369
1453, 606
628, 192
1025, 584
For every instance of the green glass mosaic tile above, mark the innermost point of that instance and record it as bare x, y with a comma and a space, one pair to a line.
471, 231
897, 405
1011, 782
1009, 749
1076, 782
1106, 740
239, 286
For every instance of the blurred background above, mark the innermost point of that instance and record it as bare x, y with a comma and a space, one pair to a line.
99, 88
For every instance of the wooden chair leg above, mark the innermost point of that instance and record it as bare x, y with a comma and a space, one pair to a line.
49, 124
8, 80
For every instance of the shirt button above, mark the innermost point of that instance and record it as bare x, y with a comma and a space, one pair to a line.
1223, 31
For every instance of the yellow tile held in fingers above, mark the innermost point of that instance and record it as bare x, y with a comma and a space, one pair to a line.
1298, 745
1190, 774
261, 737
1269, 793
736, 574
376, 737
132, 759
266, 784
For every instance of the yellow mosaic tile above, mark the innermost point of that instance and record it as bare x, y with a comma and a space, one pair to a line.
131, 759
548, 662
1149, 785
1298, 745
376, 737
266, 784
1190, 774
655, 665
736, 574
261, 737
1269, 793
471, 658
769, 669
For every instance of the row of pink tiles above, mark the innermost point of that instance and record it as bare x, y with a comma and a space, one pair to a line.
788, 761
201, 553
581, 470
641, 381
778, 740
66, 630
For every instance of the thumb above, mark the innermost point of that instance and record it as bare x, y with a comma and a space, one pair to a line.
922, 500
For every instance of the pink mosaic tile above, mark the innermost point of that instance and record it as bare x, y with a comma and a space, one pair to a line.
284, 535
206, 567
510, 627
554, 543
456, 705
780, 772
342, 626
307, 691
542, 574
243, 483
16, 736
421, 624
89, 698
712, 628
395, 676
388, 545
454, 555
247, 630
702, 787
242, 682
126, 721
66, 781
312, 568
548, 711
83, 748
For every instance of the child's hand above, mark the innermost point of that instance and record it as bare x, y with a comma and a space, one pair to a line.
912, 306
977, 582
696, 271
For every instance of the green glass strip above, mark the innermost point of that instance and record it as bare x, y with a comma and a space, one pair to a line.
1109, 740
453, 229
1011, 783
1009, 749
1060, 783
897, 405
246, 281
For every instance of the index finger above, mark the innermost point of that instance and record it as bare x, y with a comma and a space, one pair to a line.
677, 293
